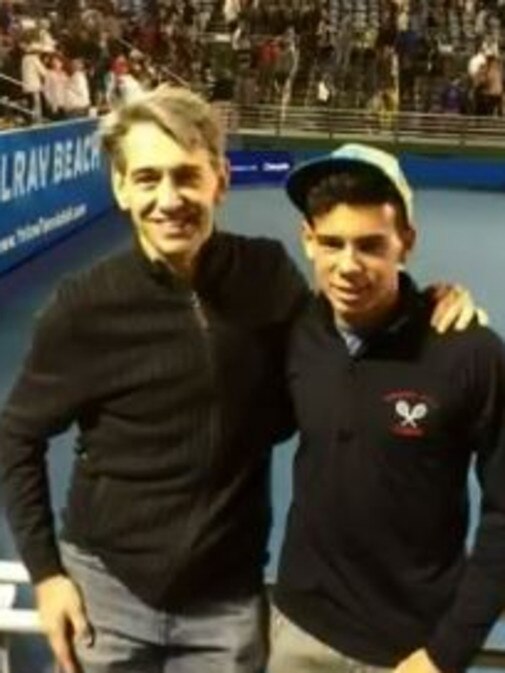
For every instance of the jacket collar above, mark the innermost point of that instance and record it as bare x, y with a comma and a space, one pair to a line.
412, 306
207, 266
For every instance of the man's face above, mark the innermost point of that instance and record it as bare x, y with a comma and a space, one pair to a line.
356, 252
170, 193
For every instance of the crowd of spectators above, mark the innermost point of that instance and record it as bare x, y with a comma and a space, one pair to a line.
76, 57
63, 64
414, 55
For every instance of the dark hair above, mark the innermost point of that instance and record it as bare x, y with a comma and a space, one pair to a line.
356, 185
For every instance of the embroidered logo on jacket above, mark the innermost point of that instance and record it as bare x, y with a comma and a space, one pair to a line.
410, 411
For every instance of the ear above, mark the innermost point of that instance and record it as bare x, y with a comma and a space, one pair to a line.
119, 189
223, 181
308, 239
408, 238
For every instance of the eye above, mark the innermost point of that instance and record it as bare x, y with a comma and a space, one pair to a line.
146, 180
187, 176
373, 245
330, 243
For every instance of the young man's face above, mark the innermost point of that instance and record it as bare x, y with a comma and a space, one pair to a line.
170, 193
356, 252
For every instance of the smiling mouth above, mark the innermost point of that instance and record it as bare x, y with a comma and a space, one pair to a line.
175, 228
348, 295
348, 291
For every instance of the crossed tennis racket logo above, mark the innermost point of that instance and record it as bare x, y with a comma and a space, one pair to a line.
410, 414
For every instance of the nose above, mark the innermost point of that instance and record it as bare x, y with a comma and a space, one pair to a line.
168, 195
349, 260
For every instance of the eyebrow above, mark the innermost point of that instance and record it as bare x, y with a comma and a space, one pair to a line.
329, 238
332, 240
181, 170
187, 170
145, 170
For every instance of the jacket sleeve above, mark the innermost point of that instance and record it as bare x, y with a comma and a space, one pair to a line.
289, 293
43, 402
481, 593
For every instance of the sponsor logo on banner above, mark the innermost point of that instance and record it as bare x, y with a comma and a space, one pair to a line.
266, 168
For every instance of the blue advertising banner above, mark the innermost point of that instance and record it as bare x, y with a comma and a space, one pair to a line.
269, 168
453, 171
52, 180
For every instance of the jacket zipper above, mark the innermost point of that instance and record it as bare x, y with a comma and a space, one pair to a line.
204, 324
201, 316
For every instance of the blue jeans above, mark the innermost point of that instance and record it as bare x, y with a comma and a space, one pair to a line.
226, 636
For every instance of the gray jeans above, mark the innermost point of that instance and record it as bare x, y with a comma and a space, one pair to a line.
293, 650
131, 637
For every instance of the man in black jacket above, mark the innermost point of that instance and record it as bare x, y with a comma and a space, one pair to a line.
374, 573
169, 357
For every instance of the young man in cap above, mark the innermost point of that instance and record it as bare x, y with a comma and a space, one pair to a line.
169, 358
374, 573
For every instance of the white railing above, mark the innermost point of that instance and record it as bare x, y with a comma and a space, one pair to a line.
401, 127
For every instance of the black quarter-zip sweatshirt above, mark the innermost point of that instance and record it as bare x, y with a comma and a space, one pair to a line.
374, 561
179, 395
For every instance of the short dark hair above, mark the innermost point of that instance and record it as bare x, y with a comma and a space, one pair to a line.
356, 185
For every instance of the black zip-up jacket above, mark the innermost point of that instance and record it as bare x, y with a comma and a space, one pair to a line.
374, 560
178, 395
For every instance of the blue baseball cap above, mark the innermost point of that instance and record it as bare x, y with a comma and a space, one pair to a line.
306, 174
